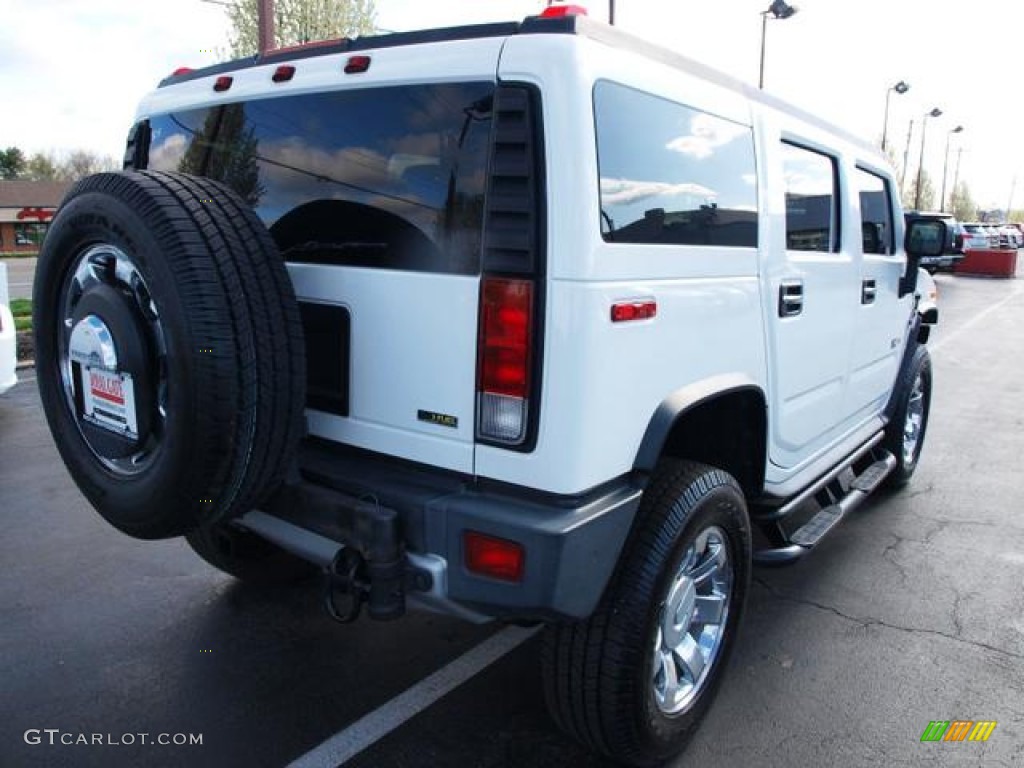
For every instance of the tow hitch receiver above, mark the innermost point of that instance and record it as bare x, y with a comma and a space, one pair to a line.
355, 541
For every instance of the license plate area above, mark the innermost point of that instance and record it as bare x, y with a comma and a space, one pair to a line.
108, 400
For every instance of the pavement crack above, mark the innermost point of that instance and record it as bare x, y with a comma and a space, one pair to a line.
873, 622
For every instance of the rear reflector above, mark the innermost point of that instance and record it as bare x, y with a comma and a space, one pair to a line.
505, 342
222, 83
490, 556
624, 311
559, 10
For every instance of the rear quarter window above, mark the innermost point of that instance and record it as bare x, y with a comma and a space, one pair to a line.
671, 174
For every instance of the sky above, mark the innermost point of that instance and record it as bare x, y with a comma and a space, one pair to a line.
73, 71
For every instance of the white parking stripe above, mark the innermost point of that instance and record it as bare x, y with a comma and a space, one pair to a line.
369, 729
974, 321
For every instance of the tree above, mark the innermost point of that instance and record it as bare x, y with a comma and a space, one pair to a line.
42, 166
81, 163
299, 21
962, 204
234, 155
928, 193
12, 163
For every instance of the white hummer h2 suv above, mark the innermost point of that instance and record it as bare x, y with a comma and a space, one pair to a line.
522, 322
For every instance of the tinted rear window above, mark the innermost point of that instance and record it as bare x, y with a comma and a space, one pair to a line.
384, 177
672, 174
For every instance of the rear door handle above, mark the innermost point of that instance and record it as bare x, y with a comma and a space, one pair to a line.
868, 292
791, 298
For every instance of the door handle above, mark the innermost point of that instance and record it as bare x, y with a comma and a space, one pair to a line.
791, 298
868, 292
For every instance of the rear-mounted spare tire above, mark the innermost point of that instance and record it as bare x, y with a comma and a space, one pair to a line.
169, 351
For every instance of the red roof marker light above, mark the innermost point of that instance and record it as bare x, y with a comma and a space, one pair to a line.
283, 73
357, 65
560, 10
182, 71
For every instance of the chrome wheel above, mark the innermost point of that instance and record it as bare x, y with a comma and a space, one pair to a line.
118, 360
914, 421
691, 625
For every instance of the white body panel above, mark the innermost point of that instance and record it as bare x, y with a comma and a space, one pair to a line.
412, 347
8, 338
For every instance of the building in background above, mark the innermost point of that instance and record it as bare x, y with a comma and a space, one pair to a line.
26, 208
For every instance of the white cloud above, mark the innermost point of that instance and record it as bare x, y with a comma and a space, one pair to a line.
619, 191
707, 133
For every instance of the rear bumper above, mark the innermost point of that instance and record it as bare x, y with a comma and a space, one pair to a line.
571, 544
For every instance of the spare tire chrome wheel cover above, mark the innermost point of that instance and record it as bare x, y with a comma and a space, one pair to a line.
690, 630
90, 340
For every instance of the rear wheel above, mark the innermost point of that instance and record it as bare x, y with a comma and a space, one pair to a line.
169, 351
635, 679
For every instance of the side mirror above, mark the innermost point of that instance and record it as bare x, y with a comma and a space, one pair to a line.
925, 237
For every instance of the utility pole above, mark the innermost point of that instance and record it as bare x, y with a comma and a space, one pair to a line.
611, 12
1009, 203
265, 9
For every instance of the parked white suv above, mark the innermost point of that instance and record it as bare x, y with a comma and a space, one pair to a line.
530, 322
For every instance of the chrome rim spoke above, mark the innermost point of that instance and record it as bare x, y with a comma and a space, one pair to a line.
913, 421
691, 625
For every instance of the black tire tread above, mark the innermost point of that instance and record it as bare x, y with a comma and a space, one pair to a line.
245, 340
581, 660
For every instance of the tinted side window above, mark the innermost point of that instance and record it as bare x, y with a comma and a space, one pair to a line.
672, 174
811, 195
875, 212
382, 177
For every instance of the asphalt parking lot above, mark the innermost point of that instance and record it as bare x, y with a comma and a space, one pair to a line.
912, 611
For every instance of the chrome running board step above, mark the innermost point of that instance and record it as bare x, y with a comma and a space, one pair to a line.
843, 491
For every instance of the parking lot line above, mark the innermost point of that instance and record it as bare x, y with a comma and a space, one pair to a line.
370, 728
974, 320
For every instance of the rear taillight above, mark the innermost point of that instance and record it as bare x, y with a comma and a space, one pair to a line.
504, 368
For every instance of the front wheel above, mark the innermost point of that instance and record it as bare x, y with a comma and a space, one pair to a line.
904, 436
635, 679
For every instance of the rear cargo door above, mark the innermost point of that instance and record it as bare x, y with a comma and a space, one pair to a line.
373, 189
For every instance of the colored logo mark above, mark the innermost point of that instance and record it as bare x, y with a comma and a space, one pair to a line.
958, 730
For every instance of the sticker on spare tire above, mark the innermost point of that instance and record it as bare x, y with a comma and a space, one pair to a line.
109, 400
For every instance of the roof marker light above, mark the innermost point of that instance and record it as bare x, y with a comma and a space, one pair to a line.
222, 83
561, 10
283, 74
357, 65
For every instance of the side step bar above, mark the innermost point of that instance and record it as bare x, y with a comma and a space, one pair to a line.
857, 489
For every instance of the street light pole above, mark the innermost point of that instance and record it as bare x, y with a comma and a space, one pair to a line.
906, 157
901, 87
920, 166
779, 9
611, 12
945, 166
